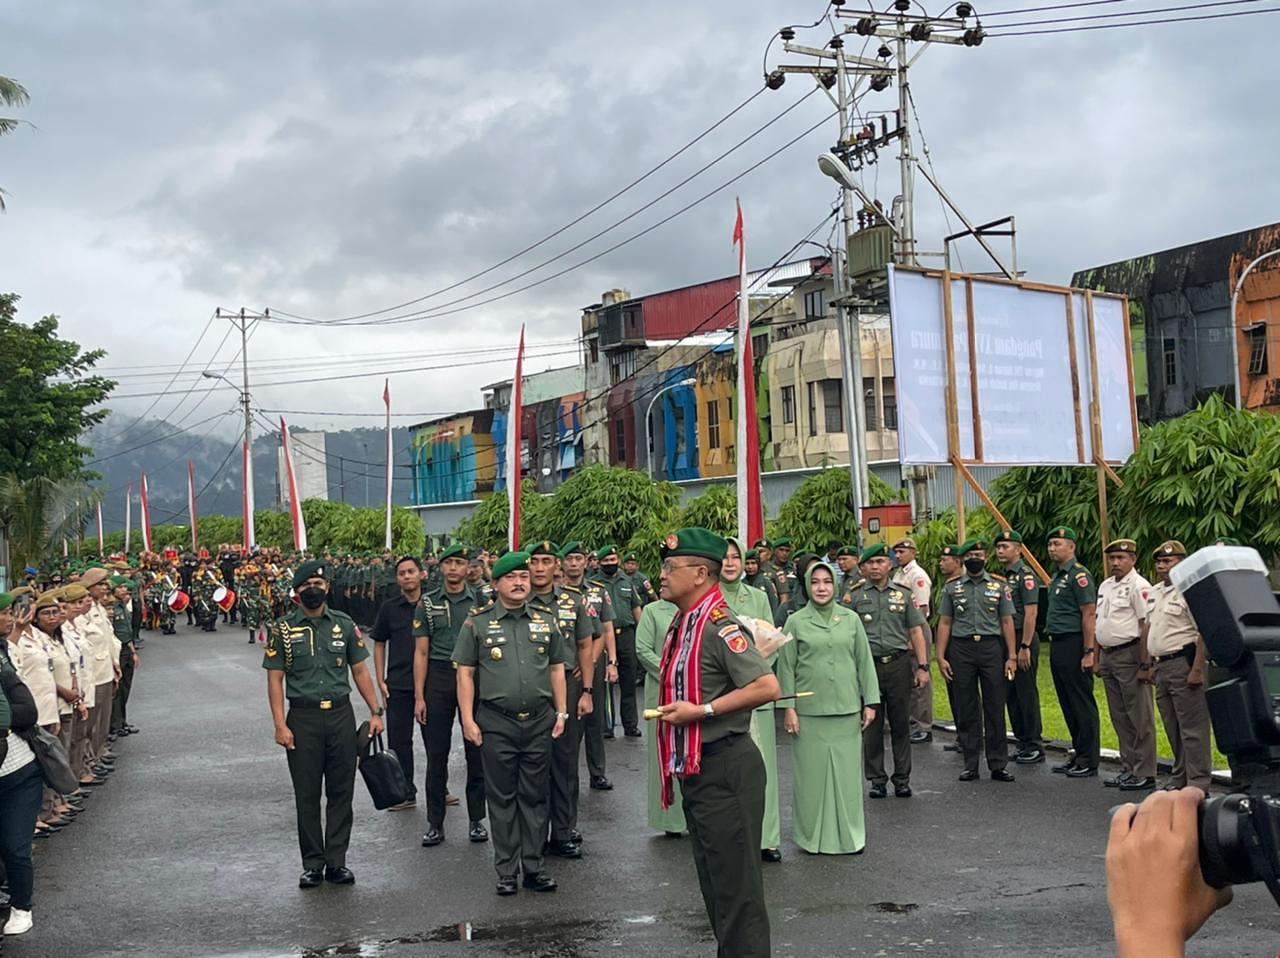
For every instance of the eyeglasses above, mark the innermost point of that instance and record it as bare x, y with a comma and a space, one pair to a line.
668, 566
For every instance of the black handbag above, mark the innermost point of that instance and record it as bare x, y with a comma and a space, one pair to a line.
54, 762
383, 775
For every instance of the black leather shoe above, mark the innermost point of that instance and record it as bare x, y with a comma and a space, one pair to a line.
771, 855
1032, 756
969, 775
902, 791
434, 836
1080, 771
608, 735
601, 784
539, 881
953, 747
506, 886
1002, 775
1064, 767
1115, 781
632, 733
674, 834
1138, 785
575, 836
563, 850
311, 878
341, 875
878, 790
477, 833
920, 736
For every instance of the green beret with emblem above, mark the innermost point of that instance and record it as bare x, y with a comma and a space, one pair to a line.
951, 550
846, 551
1008, 535
511, 562
760, 544
456, 551
1121, 545
630, 557
782, 543
312, 568
606, 551
879, 550
544, 548
572, 549
969, 545
1062, 532
695, 541
118, 580
6, 600
752, 554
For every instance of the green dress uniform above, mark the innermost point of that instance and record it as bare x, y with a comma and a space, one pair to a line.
650, 634
829, 655
625, 600
1071, 588
513, 652
600, 603
977, 606
765, 584
316, 653
888, 615
1023, 694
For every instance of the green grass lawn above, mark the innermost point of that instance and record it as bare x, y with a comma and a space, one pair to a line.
1055, 726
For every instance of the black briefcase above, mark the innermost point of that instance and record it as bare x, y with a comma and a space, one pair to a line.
383, 775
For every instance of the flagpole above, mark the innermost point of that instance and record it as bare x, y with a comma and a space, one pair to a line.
102, 540
146, 515
750, 506
128, 515
291, 481
514, 415
191, 503
386, 399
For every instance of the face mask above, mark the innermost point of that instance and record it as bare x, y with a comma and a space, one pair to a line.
974, 566
311, 598
608, 568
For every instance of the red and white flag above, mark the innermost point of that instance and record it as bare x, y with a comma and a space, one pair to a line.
146, 515
291, 482
513, 449
102, 540
247, 530
128, 515
191, 503
750, 512
386, 399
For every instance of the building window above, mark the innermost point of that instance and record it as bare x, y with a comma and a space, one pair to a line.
832, 405
620, 435
890, 404
815, 305
1170, 350
759, 345
788, 404
1258, 350
622, 365
713, 423
594, 344
681, 445
813, 409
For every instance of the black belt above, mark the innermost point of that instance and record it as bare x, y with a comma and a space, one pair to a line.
1063, 636
521, 716
976, 638
1185, 652
324, 705
720, 744
1117, 648
890, 657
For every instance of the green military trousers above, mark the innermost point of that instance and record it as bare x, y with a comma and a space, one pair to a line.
324, 754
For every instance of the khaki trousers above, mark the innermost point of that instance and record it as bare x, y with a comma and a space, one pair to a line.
1185, 714
1132, 715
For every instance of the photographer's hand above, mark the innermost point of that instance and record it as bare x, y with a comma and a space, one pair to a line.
1157, 895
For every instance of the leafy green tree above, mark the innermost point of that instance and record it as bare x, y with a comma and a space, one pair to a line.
38, 513
12, 93
486, 528
48, 395
1036, 498
602, 504
716, 509
821, 509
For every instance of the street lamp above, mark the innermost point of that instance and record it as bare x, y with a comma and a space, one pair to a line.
691, 381
1235, 333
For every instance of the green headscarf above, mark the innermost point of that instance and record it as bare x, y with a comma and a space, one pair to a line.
826, 609
735, 590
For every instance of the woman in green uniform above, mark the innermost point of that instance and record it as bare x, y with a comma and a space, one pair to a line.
650, 634
829, 656
748, 602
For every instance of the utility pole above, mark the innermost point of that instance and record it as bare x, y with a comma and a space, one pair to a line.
244, 321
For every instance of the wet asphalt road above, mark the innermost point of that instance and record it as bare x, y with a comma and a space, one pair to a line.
190, 850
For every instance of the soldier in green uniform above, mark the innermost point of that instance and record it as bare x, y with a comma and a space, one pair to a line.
604, 652
977, 611
785, 572
436, 705
511, 691
572, 616
895, 631
205, 583
645, 591
626, 609
308, 656
755, 576
703, 740
1023, 695
798, 597
1069, 626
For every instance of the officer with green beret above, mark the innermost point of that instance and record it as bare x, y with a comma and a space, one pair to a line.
976, 611
754, 575
308, 656
1069, 625
439, 622
511, 661
572, 616
1022, 697
846, 560
626, 609
645, 591
122, 628
604, 656
785, 574
895, 630
798, 598
704, 739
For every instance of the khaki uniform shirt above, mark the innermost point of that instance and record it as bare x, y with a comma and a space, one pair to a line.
975, 605
1171, 625
102, 642
512, 651
1122, 608
74, 634
33, 658
913, 578
888, 615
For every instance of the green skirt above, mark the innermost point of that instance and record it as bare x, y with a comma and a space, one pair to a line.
764, 734
672, 819
826, 758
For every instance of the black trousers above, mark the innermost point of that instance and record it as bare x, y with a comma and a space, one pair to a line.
120, 703
724, 808
593, 730
1023, 699
628, 672
1075, 694
437, 736
563, 809
896, 682
978, 684
400, 723
517, 766
324, 756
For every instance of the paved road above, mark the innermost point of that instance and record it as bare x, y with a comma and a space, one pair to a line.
190, 850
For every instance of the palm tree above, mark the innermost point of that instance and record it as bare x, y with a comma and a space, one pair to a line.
38, 513
12, 93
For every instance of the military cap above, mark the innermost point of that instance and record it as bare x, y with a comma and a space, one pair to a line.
695, 541
310, 569
782, 543
1008, 535
47, 600
94, 576
116, 581
74, 592
544, 548
969, 545
1122, 545
511, 562
6, 600
608, 550
951, 550
907, 543
879, 550
1062, 532
1226, 541
20, 591
760, 544
456, 551
630, 557
571, 549
752, 554
1170, 548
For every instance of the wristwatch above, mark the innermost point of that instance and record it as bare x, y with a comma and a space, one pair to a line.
922, 667
587, 690
562, 716
376, 712
613, 664
709, 710
1024, 645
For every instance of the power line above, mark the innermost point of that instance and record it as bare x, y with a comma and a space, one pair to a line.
150, 442
1127, 13
1055, 6
1137, 23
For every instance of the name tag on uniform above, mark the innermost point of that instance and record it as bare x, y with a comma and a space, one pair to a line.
539, 628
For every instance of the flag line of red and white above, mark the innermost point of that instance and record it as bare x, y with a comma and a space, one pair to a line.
750, 511
514, 415
128, 516
295, 506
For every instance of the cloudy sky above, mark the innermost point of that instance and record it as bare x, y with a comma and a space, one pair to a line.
328, 159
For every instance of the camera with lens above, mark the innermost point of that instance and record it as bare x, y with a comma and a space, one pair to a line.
1230, 597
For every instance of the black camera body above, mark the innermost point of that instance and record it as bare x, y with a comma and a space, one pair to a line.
1227, 590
